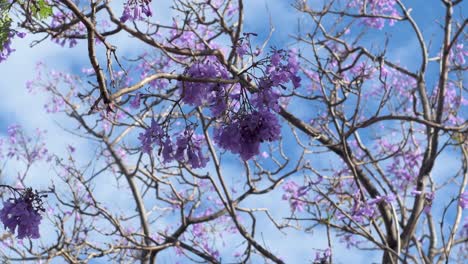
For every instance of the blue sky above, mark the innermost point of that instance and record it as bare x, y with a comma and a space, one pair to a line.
18, 106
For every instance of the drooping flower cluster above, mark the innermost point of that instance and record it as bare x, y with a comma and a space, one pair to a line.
376, 8
187, 149
135, 102
7, 49
23, 213
61, 18
283, 68
281, 72
245, 133
204, 93
458, 53
133, 10
246, 119
153, 134
322, 257
294, 194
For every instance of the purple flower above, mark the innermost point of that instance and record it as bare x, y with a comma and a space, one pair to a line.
135, 103
464, 200
376, 7
294, 193
386, 198
244, 135
428, 197
267, 97
283, 67
189, 149
199, 93
7, 49
21, 213
242, 49
134, 8
276, 59
61, 18
460, 54
151, 135
322, 257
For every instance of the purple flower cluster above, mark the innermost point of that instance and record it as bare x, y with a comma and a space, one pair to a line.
22, 213
458, 54
230, 9
464, 200
7, 49
245, 133
322, 257
454, 102
135, 102
134, 8
151, 65
349, 240
386, 198
29, 149
376, 8
294, 193
362, 211
153, 134
404, 163
283, 68
58, 20
201, 93
428, 198
187, 149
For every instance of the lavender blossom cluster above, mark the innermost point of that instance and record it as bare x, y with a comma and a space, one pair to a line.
22, 215
245, 118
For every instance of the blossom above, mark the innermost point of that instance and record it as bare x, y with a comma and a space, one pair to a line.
294, 193
189, 149
188, 146
242, 48
151, 135
155, 135
267, 97
135, 102
200, 93
428, 198
464, 200
376, 8
322, 257
61, 18
458, 54
134, 8
22, 214
244, 135
284, 67
6, 48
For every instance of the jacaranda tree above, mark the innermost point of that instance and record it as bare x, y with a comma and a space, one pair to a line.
219, 137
